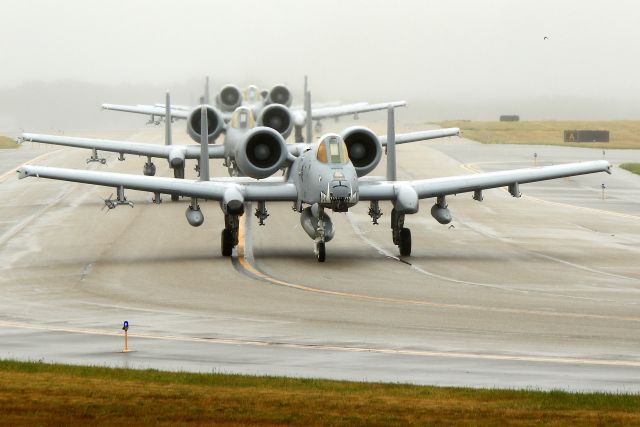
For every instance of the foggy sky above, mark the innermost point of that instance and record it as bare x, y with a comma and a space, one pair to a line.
473, 58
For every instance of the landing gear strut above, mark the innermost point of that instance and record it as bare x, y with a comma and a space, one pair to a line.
177, 173
401, 235
319, 249
229, 236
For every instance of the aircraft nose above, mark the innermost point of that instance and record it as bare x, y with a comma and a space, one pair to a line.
340, 189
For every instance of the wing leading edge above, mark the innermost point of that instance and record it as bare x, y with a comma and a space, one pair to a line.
426, 188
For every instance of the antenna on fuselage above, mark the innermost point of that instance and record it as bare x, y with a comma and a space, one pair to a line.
167, 119
307, 110
391, 144
204, 144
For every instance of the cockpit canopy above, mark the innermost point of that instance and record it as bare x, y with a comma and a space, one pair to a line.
332, 149
242, 118
252, 95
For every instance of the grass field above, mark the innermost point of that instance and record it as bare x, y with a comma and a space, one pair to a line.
6, 142
623, 134
631, 167
37, 393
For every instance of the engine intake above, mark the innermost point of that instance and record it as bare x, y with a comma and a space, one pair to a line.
278, 118
279, 94
229, 98
261, 153
215, 123
364, 148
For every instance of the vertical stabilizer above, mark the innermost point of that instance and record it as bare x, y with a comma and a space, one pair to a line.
167, 119
391, 144
206, 91
204, 145
307, 110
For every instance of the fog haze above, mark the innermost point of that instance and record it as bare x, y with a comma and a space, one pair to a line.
449, 59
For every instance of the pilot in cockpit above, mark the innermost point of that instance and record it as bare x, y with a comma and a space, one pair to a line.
252, 95
332, 149
242, 118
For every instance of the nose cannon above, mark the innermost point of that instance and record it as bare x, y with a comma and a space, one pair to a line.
339, 196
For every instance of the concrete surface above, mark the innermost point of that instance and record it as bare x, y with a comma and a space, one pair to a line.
540, 292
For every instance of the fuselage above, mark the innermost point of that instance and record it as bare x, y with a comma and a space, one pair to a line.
324, 175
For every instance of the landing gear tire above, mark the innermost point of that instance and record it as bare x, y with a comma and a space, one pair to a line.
175, 197
405, 242
226, 242
320, 252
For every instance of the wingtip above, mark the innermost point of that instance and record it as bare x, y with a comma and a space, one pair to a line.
22, 172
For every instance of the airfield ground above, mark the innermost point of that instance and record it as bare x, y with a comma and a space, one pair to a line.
631, 167
6, 142
538, 292
623, 133
36, 393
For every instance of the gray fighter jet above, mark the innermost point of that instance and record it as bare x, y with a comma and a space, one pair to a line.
328, 175
231, 97
264, 139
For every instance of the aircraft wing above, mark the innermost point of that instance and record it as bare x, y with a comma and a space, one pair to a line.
345, 110
426, 188
252, 190
127, 147
149, 110
300, 116
153, 110
402, 138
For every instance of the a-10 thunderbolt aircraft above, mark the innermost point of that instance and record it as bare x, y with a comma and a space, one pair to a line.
231, 97
242, 138
327, 175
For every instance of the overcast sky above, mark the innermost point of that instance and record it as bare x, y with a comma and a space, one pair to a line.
400, 49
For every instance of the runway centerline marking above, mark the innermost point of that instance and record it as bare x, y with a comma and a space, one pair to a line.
347, 349
247, 266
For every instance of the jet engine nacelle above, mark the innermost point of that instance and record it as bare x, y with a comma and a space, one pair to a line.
261, 153
277, 117
215, 123
229, 98
310, 224
365, 150
279, 94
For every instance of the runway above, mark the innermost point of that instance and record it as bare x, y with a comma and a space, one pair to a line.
540, 292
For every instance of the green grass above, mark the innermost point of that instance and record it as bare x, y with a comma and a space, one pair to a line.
623, 134
631, 167
6, 142
38, 393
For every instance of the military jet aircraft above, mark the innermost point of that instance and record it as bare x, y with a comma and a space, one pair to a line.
263, 140
231, 97
328, 175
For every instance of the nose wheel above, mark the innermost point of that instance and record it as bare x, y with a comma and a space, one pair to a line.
320, 251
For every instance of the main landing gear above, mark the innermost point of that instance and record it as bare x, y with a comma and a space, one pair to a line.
229, 235
401, 235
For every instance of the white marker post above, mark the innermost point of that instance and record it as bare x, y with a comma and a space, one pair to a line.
125, 328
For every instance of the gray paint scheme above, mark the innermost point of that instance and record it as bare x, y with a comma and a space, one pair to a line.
311, 182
